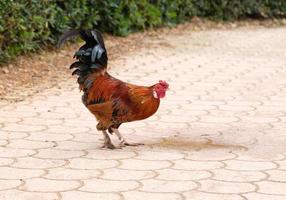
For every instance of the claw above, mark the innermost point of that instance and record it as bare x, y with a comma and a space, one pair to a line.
110, 146
124, 143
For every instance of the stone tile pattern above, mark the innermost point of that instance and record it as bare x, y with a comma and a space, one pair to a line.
219, 134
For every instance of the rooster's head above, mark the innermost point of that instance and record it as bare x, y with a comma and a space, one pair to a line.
160, 89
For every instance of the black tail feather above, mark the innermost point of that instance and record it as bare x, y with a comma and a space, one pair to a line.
66, 35
92, 56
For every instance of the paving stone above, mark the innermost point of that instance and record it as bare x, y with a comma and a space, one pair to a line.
74, 145
4, 114
42, 136
178, 118
109, 155
3, 142
245, 156
76, 195
9, 184
166, 125
244, 103
6, 161
214, 127
22, 128
86, 137
252, 126
258, 119
10, 119
270, 187
236, 108
59, 116
195, 195
277, 175
238, 176
181, 175
98, 185
167, 186
13, 135
143, 164
28, 144
14, 173
255, 196
278, 126
45, 185
210, 155
58, 154
81, 124
14, 153
148, 155
119, 174
214, 103
217, 119
221, 187
37, 163
197, 165
186, 112
21, 195
71, 174
84, 163
270, 108
38, 121
191, 107
249, 165
67, 129
135, 195
27, 108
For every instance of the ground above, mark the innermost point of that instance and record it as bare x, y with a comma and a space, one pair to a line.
218, 135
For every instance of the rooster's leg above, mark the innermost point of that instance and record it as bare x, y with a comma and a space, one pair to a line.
123, 140
107, 142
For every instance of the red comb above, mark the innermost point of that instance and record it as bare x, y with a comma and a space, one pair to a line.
164, 84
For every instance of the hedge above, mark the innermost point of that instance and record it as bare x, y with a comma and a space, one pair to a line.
26, 25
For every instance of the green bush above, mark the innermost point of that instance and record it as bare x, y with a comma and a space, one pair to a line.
26, 25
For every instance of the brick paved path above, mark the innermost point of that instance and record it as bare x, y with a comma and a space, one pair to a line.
219, 135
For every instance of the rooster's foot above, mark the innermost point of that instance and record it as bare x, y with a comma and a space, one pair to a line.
107, 142
110, 146
124, 143
122, 140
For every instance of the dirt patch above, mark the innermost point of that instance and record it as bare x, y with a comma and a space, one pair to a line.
46, 69
187, 144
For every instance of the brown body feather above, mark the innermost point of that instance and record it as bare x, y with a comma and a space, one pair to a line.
114, 102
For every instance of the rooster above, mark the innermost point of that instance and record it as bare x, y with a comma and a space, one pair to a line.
110, 100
